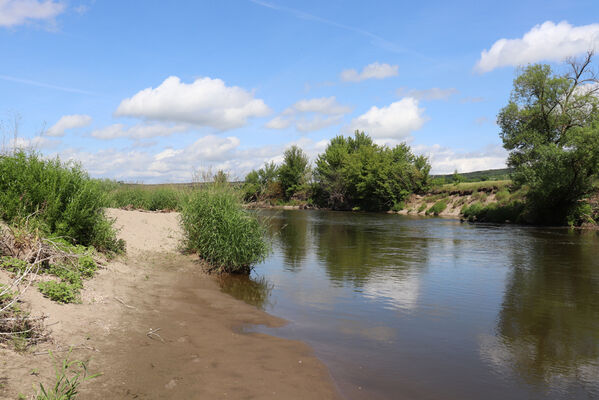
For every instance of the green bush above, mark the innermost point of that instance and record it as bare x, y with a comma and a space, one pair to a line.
437, 208
502, 195
152, 198
422, 207
62, 292
495, 212
61, 195
221, 232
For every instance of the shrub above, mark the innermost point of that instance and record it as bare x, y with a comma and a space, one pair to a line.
502, 195
61, 195
62, 292
437, 208
422, 207
221, 232
494, 212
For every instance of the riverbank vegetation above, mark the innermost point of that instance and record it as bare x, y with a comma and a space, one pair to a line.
353, 173
221, 231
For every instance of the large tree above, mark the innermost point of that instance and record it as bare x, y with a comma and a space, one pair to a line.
294, 172
356, 172
551, 127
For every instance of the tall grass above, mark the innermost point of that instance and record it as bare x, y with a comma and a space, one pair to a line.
147, 197
61, 195
221, 232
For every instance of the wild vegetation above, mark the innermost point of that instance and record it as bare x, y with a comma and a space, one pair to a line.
551, 128
221, 231
352, 173
60, 196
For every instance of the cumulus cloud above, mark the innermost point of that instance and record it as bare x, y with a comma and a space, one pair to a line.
177, 164
428, 94
18, 12
445, 160
35, 143
69, 122
396, 121
310, 115
545, 42
139, 131
372, 71
206, 102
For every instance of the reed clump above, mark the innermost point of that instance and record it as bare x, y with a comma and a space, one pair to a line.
217, 227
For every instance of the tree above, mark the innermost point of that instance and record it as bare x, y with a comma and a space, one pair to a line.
551, 128
356, 172
293, 173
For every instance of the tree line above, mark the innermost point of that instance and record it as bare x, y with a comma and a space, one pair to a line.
353, 173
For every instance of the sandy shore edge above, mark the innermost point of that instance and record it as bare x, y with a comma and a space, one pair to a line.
198, 351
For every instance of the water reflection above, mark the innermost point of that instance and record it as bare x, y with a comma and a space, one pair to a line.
291, 233
434, 308
548, 326
253, 290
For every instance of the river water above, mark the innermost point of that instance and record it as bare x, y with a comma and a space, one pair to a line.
429, 308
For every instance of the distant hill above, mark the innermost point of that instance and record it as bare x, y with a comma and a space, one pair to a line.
477, 176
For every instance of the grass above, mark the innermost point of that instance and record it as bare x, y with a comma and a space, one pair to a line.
147, 197
61, 196
437, 208
221, 232
69, 376
494, 212
473, 187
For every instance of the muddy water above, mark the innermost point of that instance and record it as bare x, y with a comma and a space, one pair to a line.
413, 308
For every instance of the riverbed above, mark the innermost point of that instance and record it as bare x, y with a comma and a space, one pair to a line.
403, 307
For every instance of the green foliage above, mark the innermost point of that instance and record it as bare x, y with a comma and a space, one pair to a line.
262, 184
293, 173
502, 195
437, 208
62, 196
62, 292
221, 232
457, 178
422, 207
355, 172
398, 206
152, 198
551, 127
69, 376
13, 264
494, 212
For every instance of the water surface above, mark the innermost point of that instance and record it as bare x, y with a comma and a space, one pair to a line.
414, 308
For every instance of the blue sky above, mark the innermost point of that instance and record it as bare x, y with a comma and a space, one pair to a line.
150, 91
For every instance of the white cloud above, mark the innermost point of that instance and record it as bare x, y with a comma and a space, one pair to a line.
545, 42
139, 131
36, 143
69, 122
396, 121
445, 160
178, 164
372, 71
309, 115
205, 102
428, 94
278, 122
18, 12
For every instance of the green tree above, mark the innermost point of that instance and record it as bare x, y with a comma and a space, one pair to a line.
293, 174
551, 128
356, 172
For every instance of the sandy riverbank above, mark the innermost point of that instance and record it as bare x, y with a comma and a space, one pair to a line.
200, 352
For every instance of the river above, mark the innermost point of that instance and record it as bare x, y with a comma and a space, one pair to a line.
403, 307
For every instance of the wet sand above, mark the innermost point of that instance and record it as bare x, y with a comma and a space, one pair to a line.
198, 350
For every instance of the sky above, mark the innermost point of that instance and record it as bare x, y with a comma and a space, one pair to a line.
154, 91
